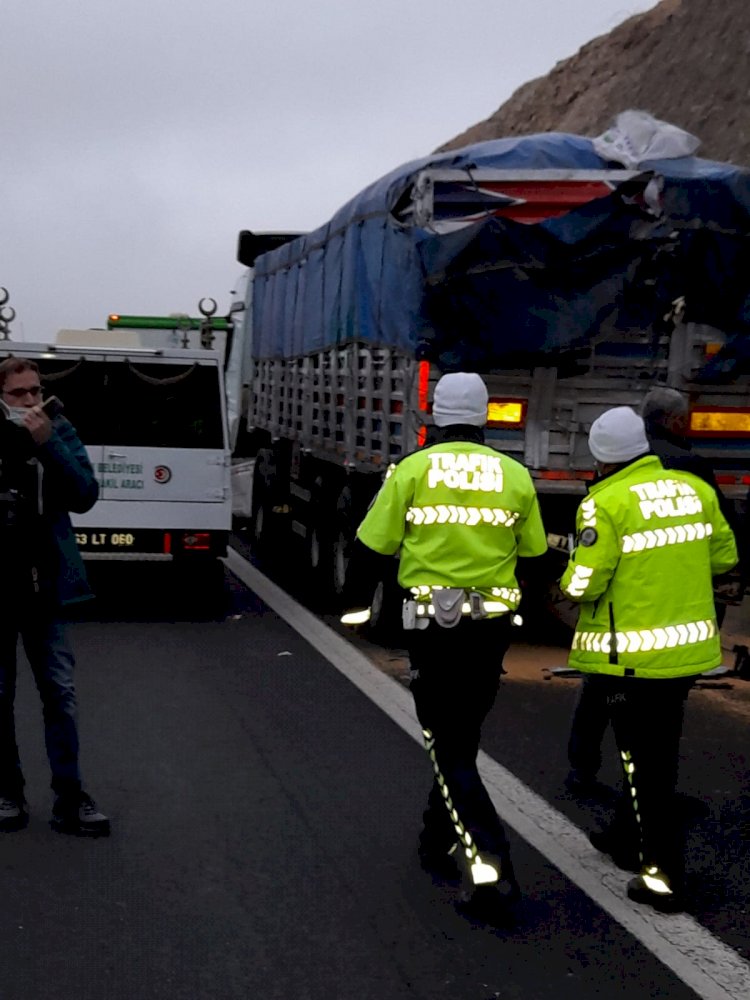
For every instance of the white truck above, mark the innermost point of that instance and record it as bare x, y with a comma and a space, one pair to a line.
150, 405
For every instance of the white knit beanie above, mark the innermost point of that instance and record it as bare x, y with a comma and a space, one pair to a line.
460, 398
617, 436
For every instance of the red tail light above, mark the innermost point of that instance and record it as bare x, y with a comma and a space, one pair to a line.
560, 474
197, 541
424, 385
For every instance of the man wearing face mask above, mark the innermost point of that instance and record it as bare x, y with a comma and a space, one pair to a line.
44, 474
649, 541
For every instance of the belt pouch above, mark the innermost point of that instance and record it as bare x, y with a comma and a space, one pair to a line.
448, 604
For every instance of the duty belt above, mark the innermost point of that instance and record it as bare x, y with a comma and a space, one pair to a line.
448, 605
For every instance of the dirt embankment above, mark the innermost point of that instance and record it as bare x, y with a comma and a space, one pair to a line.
685, 61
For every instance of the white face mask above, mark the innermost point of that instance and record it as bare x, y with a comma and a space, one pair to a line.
16, 414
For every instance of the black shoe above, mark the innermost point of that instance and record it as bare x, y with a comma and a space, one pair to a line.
77, 814
13, 814
621, 853
644, 889
495, 905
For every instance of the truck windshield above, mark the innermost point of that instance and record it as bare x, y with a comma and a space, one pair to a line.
134, 402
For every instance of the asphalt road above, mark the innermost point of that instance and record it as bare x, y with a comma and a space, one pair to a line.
264, 821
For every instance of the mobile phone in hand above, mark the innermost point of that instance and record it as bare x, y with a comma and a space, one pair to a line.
51, 407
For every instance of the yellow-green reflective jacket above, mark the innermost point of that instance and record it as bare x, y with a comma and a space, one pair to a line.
459, 513
649, 541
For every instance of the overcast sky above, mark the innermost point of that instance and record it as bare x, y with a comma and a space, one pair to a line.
140, 136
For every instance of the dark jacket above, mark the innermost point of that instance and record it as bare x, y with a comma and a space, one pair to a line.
53, 479
676, 453
68, 485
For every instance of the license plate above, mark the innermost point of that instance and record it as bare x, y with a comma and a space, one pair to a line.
109, 540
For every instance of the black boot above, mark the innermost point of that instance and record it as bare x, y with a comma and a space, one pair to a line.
494, 903
654, 888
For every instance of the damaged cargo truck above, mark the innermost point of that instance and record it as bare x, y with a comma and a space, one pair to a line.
571, 284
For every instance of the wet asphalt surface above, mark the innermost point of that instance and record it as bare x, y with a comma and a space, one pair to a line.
264, 821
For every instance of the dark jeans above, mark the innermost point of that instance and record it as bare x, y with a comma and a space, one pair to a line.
647, 717
455, 677
52, 662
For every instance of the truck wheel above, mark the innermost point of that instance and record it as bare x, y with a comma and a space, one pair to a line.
340, 558
318, 543
260, 523
319, 557
268, 526
316, 548
343, 539
384, 626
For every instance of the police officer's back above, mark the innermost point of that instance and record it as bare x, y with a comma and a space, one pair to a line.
649, 541
459, 513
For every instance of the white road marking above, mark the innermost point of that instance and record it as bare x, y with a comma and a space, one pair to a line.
702, 961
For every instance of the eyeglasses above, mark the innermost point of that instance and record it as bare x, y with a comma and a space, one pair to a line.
34, 390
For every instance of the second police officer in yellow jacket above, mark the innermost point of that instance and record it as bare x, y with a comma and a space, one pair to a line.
458, 513
649, 540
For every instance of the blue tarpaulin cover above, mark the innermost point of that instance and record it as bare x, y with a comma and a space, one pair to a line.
500, 290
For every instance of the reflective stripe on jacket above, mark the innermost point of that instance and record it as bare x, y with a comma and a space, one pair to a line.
649, 541
459, 513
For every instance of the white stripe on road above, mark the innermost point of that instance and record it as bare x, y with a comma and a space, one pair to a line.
703, 962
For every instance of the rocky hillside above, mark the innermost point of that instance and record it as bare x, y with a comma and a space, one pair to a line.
685, 61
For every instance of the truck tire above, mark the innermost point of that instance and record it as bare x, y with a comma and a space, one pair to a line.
384, 626
268, 527
319, 550
260, 532
341, 544
316, 546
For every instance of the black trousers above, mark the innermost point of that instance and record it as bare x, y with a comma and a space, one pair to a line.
455, 677
591, 718
588, 726
647, 717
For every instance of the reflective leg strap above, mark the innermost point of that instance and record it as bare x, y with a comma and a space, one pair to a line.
629, 768
481, 872
651, 876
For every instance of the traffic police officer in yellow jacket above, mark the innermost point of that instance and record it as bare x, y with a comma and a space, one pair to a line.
649, 540
458, 513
